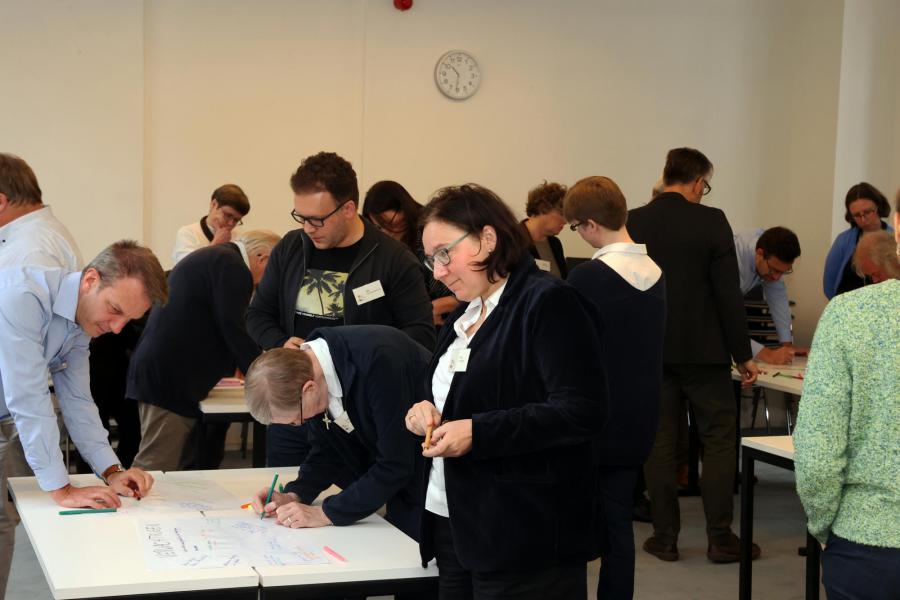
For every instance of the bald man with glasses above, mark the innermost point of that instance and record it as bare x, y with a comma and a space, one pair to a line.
335, 270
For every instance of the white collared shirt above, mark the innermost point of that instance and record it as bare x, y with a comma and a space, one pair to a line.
319, 347
38, 239
631, 262
436, 496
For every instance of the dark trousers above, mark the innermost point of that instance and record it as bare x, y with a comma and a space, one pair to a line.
709, 393
852, 571
614, 533
458, 583
286, 445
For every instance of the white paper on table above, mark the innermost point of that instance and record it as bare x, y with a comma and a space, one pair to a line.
179, 495
213, 542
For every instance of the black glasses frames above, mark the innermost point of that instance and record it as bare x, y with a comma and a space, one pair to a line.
315, 221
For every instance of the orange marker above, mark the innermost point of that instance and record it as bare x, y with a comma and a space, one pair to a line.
427, 443
246, 506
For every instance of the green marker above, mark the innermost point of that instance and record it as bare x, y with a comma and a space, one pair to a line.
86, 511
281, 487
262, 515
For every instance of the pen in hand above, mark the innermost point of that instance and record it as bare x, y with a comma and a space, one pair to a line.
262, 515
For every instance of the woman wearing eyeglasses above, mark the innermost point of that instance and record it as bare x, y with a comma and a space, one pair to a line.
393, 211
865, 209
516, 395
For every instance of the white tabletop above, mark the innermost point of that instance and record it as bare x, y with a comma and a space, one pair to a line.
791, 384
224, 400
96, 555
373, 548
112, 562
779, 445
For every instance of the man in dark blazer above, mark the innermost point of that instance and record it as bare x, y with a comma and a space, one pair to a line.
352, 386
706, 328
336, 270
190, 344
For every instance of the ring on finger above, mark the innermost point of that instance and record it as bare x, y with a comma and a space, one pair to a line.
289, 521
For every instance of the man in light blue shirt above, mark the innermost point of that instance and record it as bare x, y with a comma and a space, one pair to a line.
763, 258
47, 317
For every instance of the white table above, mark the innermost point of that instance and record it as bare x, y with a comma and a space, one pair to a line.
100, 556
228, 405
778, 451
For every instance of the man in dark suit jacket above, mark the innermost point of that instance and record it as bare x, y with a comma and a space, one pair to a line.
352, 386
190, 344
706, 328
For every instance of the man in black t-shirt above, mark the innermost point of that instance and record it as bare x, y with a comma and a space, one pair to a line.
336, 270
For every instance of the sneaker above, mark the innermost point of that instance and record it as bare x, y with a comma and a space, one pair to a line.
661, 550
729, 550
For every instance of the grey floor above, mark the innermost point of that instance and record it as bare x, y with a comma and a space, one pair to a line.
778, 574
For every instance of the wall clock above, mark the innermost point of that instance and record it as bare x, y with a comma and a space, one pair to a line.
457, 75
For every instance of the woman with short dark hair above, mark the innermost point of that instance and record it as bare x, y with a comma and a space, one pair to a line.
516, 396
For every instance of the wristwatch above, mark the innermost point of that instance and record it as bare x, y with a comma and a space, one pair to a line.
116, 468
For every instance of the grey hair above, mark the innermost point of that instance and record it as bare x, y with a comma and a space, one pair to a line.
881, 248
275, 381
258, 241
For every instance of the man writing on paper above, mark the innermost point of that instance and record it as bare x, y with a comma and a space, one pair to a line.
47, 317
352, 386
764, 257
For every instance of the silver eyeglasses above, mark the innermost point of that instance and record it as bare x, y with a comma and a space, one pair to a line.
442, 255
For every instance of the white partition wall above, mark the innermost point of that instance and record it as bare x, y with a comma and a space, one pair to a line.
133, 112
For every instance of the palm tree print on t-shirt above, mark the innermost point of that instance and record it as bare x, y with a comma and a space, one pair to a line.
322, 294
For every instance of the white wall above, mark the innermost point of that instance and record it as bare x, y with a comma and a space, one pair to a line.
141, 109
72, 81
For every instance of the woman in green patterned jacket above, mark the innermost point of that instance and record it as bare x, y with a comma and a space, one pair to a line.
847, 441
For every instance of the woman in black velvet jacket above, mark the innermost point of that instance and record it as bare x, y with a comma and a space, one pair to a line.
517, 395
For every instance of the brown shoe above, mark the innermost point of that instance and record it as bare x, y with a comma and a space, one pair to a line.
728, 550
661, 550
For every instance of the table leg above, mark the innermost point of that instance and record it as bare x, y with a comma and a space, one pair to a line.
259, 445
745, 574
813, 553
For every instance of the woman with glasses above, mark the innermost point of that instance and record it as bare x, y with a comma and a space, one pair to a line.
393, 211
847, 440
515, 398
865, 208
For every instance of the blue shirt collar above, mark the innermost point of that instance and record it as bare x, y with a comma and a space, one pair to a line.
66, 300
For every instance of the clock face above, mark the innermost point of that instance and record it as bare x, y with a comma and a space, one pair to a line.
457, 75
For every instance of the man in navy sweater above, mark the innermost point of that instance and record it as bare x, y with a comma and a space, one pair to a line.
352, 386
628, 289
190, 344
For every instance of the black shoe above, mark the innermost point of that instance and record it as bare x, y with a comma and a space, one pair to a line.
729, 550
641, 510
661, 550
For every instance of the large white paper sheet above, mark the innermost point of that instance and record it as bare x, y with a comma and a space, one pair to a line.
179, 495
212, 542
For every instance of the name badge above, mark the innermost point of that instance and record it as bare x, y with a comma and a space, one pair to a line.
344, 423
459, 360
543, 265
368, 292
